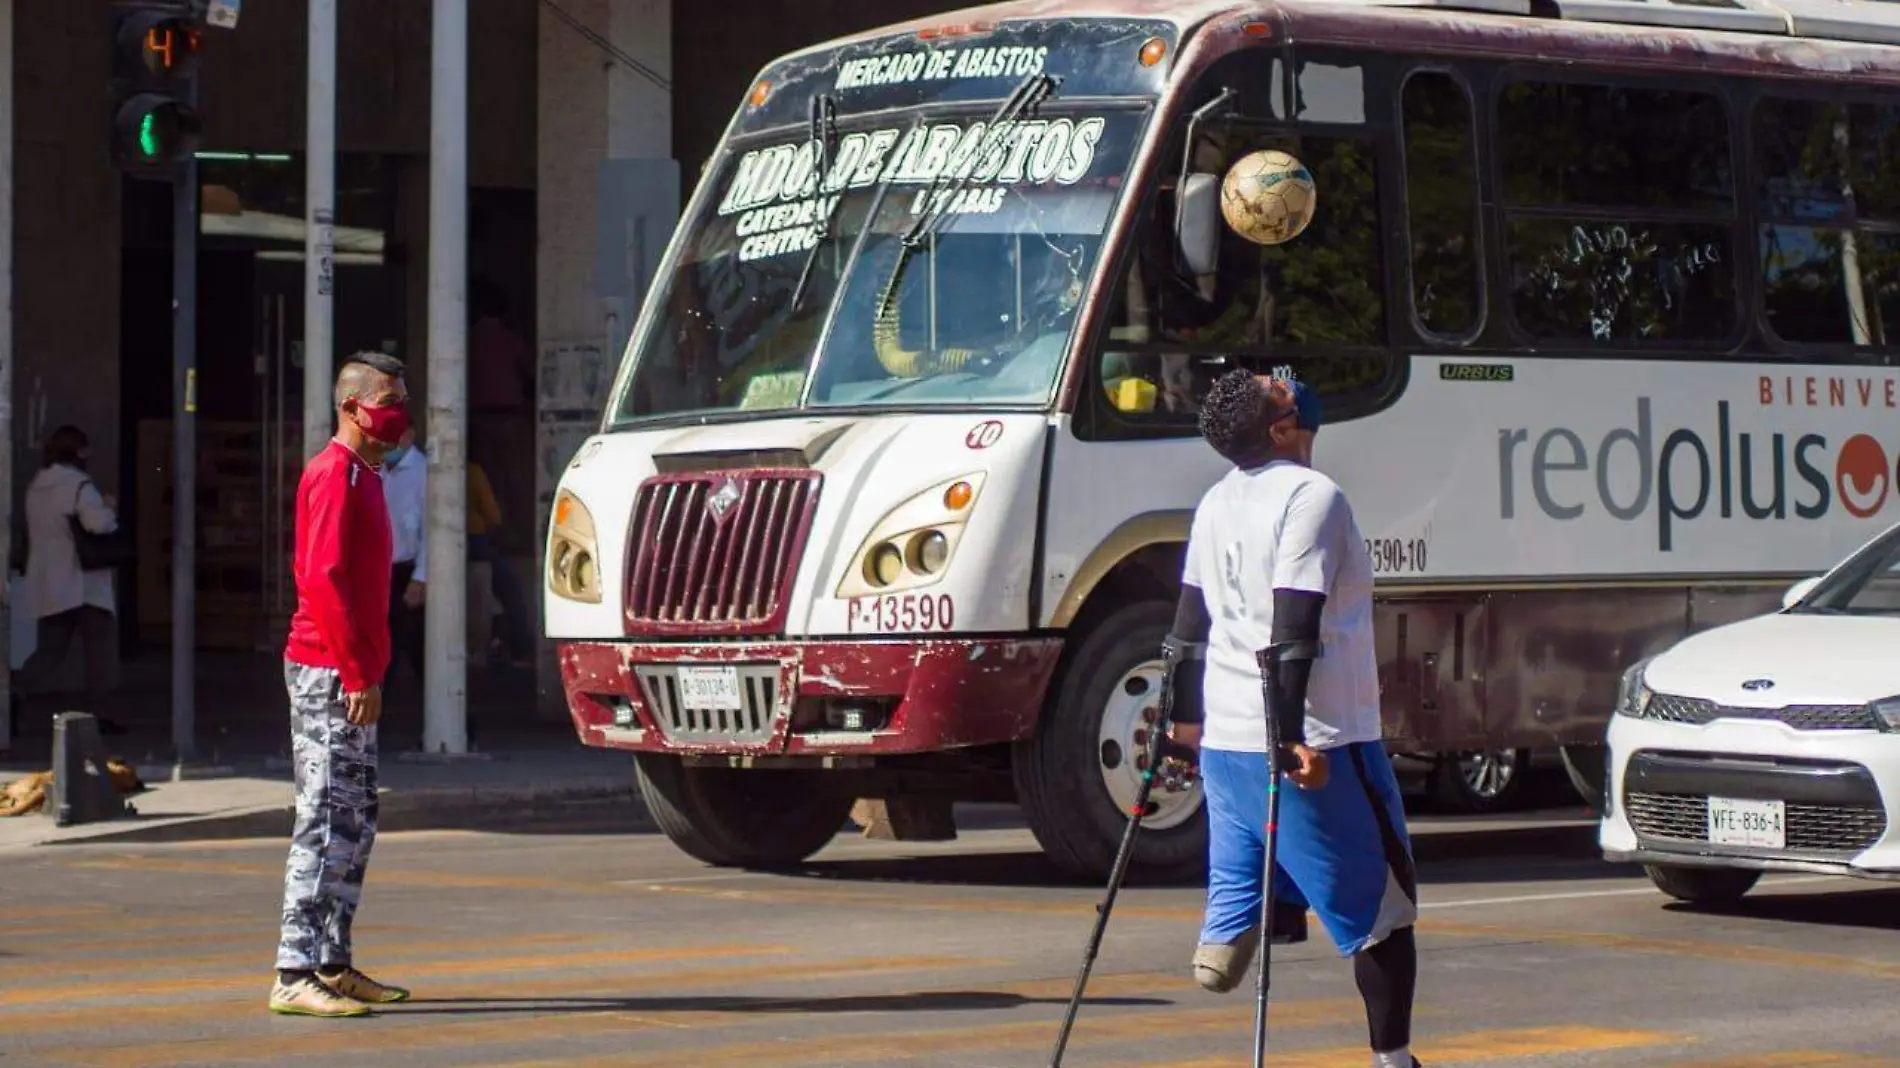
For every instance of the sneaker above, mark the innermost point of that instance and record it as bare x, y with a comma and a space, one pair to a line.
350, 983
307, 997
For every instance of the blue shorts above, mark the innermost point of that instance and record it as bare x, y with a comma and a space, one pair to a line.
1343, 850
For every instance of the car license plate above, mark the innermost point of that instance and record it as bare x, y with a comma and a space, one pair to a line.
1761, 824
709, 689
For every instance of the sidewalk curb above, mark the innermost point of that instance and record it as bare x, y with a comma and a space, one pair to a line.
421, 808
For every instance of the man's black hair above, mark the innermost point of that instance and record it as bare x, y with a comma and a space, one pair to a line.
349, 383
1234, 418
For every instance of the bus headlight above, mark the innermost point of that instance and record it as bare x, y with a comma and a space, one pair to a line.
913, 544
573, 553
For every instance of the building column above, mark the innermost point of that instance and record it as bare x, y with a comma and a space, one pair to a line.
607, 199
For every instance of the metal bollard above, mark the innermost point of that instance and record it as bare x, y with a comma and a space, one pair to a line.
82, 790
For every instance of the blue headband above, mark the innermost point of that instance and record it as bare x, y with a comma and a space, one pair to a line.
1306, 403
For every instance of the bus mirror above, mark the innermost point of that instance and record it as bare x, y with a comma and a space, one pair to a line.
1197, 225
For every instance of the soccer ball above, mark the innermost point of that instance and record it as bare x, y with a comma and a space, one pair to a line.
1268, 197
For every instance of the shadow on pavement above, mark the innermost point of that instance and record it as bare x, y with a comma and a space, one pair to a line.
1478, 855
938, 1001
1875, 908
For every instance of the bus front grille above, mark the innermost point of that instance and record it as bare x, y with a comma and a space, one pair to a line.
715, 552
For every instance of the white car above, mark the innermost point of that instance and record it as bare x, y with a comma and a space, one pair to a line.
1772, 744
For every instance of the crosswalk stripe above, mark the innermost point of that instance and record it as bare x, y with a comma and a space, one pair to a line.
520, 991
260, 954
473, 966
1730, 952
1450, 1049
835, 1049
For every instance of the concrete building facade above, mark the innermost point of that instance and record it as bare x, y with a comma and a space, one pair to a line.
588, 122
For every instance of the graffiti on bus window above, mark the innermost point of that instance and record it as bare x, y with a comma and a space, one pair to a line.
1611, 282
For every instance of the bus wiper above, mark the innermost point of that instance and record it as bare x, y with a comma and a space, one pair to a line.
1027, 95
824, 128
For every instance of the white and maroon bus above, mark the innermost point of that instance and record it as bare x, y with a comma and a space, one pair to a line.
889, 496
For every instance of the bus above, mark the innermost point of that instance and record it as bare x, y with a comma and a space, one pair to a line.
887, 504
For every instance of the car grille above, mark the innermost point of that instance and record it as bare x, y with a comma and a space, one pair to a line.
715, 552
758, 690
1836, 830
1673, 709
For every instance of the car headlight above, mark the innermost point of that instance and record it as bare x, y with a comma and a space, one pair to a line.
1633, 696
573, 553
1888, 711
912, 545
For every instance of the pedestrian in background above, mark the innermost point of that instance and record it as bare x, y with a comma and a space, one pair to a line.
406, 489
338, 651
66, 600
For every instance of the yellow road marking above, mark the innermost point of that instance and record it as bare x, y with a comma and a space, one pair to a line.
51, 944
1452, 1049
523, 990
259, 954
837, 1049
10, 921
1797, 1058
260, 982
613, 1017
377, 876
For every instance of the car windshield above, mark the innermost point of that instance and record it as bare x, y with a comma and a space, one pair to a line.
1867, 584
782, 295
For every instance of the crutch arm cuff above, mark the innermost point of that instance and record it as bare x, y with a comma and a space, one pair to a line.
1186, 651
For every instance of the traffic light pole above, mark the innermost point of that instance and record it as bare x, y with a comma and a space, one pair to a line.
185, 460
7, 622
319, 271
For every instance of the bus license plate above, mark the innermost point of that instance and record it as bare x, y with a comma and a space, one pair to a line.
709, 689
1761, 824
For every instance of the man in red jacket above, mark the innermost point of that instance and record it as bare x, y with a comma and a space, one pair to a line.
334, 664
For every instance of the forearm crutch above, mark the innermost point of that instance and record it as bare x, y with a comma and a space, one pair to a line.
1172, 653
1269, 661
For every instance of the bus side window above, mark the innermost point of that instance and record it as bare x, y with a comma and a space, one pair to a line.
1830, 207
1441, 203
1619, 213
1267, 305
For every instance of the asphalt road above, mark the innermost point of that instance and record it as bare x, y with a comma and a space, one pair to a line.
581, 947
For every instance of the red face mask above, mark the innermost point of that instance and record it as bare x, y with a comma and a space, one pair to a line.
386, 424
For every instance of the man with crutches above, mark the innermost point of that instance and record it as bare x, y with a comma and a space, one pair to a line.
1277, 596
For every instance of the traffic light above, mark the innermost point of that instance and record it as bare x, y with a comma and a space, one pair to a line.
155, 48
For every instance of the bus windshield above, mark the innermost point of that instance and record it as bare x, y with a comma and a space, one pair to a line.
941, 261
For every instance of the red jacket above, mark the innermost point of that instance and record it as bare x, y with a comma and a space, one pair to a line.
342, 561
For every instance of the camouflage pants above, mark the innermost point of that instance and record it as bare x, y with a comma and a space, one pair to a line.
335, 765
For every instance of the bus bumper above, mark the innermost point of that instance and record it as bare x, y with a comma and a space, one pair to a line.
806, 698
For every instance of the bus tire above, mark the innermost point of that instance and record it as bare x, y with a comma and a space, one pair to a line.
1702, 886
1068, 777
739, 818
1588, 767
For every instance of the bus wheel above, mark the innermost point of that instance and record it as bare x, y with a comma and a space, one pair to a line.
739, 818
1077, 778
1588, 767
1478, 781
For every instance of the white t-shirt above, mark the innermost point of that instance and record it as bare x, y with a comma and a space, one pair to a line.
1290, 527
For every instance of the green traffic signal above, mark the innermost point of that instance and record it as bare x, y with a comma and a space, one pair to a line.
148, 136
